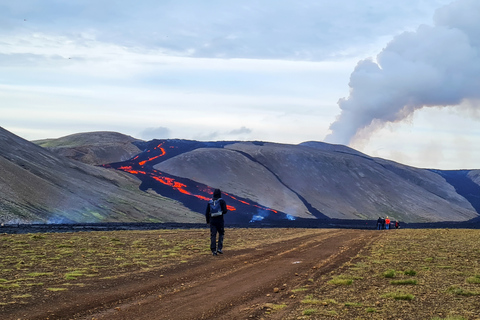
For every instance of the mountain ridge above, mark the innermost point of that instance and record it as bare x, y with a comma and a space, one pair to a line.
265, 180
40, 186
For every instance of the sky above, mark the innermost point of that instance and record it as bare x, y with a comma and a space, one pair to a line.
397, 80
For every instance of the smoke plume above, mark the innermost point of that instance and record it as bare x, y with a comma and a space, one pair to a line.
436, 65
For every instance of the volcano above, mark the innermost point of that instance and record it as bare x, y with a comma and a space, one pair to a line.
193, 194
261, 181
270, 182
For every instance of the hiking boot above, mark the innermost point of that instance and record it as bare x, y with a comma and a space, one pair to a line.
220, 251
214, 253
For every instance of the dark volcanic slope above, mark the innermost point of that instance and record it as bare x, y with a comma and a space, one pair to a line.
236, 173
466, 183
313, 180
94, 147
39, 186
337, 182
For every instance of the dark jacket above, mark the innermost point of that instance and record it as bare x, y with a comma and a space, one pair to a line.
217, 195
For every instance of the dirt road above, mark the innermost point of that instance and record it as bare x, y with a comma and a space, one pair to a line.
236, 285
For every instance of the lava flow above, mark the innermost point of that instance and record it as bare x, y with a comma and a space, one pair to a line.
192, 194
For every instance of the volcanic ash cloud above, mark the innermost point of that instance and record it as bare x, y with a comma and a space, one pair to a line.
436, 65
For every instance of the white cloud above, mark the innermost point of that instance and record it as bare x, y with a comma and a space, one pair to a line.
274, 68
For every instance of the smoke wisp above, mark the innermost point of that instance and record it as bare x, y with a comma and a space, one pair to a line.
436, 65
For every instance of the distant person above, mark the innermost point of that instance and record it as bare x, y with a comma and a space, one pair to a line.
397, 224
379, 223
216, 208
387, 223
383, 223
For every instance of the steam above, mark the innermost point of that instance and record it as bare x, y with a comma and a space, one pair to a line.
436, 65
259, 216
263, 214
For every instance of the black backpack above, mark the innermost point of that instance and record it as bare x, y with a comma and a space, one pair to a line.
215, 208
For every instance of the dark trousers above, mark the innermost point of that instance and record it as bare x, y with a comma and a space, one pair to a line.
216, 227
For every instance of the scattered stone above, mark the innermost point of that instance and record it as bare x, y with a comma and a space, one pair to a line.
276, 290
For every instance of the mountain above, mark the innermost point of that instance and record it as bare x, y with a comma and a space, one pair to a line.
171, 180
94, 147
318, 180
38, 185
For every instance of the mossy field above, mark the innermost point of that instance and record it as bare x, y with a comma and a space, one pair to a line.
33, 265
405, 274
402, 274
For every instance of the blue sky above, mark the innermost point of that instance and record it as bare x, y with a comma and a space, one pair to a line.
396, 80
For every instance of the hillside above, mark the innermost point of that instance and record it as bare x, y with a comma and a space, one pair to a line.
40, 186
261, 182
94, 147
334, 182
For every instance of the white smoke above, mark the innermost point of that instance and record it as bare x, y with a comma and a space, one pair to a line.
436, 65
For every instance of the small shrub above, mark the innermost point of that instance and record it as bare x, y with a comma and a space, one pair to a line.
400, 282
9, 286
353, 304
410, 272
461, 292
473, 280
399, 296
299, 289
389, 274
73, 275
329, 301
56, 289
341, 281
309, 312
64, 246
34, 284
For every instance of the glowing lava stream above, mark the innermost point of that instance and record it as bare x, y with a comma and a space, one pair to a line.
178, 186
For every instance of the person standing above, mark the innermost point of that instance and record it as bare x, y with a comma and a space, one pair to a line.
216, 208
379, 223
387, 223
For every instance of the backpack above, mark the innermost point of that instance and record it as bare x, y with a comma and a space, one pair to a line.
215, 208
